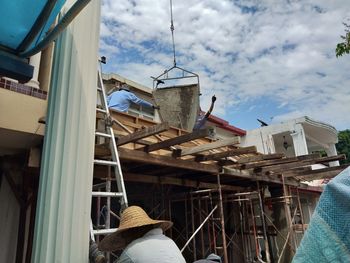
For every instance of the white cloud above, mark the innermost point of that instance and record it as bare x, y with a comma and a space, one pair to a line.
241, 49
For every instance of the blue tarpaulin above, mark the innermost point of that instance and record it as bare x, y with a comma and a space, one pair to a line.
18, 17
327, 238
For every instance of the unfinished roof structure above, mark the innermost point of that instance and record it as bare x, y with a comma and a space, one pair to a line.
226, 199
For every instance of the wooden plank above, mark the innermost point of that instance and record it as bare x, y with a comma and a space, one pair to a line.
141, 141
218, 156
208, 132
209, 146
287, 166
279, 161
142, 157
141, 178
143, 133
261, 157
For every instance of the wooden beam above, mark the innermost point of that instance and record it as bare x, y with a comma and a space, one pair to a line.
218, 156
295, 171
261, 157
245, 174
278, 161
322, 173
209, 146
207, 132
142, 157
143, 133
287, 166
141, 178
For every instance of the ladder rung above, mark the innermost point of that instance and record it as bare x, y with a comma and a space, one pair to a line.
99, 89
107, 194
101, 110
104, 231
103, 162
101, 134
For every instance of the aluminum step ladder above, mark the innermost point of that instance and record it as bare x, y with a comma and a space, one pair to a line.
104, 190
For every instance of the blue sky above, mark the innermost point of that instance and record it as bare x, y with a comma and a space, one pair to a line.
267, 59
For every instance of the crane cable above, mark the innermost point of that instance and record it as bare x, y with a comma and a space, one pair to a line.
172, 30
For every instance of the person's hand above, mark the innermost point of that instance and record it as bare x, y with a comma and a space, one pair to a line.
155, 107
213, 99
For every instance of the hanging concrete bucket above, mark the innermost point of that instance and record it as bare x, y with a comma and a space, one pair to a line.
179, 105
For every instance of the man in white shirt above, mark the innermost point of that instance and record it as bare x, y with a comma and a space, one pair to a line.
143, 239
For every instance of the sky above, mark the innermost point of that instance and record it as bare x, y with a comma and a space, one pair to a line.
268, 59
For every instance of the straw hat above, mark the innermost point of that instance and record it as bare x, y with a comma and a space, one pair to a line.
133, 221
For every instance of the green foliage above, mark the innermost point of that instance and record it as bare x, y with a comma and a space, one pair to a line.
343, 146
344, 47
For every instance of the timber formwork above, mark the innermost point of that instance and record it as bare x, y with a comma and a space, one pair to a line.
223, 199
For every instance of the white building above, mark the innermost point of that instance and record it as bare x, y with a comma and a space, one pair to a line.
295, 137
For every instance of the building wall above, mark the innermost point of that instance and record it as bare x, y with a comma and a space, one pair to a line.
21, 112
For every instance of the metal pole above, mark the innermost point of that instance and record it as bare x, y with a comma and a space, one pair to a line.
256, 241
301, 210
186, 219
213, 225
222, 221
262, 214
200, 220
208, 227
169, 206
287, 214
241, 218
201, 225
194, 240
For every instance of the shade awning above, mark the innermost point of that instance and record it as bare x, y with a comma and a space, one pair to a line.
26, 21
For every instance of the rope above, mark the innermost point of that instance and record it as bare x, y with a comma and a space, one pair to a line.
172, 30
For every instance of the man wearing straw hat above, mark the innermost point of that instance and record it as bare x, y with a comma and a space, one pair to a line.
142, 238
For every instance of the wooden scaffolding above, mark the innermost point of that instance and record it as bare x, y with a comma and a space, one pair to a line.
213, 191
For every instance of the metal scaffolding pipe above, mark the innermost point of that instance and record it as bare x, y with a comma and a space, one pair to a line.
201, 225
